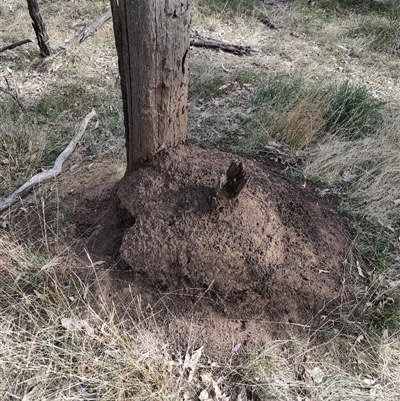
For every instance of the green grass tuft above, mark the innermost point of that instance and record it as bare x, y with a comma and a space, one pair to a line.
207, 83
279, 93
298, 114
390, 7
380, 33
352, 112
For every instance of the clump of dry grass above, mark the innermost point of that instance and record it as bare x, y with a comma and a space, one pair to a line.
291, 110
54, 345
379, 33
61, 339
343, 368
370, 169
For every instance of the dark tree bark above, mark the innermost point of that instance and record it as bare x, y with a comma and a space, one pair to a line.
152, 40
39, 27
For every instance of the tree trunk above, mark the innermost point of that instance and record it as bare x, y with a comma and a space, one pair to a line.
39, 27
152, 40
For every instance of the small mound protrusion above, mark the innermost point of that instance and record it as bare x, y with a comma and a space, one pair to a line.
230, 184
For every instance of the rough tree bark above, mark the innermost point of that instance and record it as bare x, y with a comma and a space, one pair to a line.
39, 27
152, 40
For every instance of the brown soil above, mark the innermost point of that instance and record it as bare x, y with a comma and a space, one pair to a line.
271, 260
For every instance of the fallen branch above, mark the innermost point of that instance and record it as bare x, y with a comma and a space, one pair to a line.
14, 45
47, 174
79, 38
90, 30
225, 46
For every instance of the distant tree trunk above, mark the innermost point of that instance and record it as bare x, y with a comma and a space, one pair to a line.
152, 40
39, 27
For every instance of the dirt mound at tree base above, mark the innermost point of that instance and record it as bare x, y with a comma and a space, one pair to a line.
274, 253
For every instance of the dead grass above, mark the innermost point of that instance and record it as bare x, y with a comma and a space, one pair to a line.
379, 33
368, 167
61, 339
54, 345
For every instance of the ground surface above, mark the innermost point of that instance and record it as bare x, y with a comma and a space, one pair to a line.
274, 259
267, 270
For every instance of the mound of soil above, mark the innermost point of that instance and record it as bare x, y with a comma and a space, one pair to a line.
237, 272
273, 253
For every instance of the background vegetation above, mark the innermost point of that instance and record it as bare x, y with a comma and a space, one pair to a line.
321, 95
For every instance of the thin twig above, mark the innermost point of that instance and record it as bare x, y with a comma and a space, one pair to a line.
268, 23
10, 93
202, 295
50, 173
13, 45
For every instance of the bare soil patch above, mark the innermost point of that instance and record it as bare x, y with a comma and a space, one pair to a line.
270, 261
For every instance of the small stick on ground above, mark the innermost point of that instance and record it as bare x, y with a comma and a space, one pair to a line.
268, 23
225, 46
14, 45
47, 174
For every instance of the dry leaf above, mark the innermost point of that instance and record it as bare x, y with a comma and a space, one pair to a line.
204, 395
242, 396
48, 266
191, 362
218, 395
348, 176
393, 284
236, 347
325, 192
369, 382
317, 375
76, 324
206, 377
113, 353
187, 397
98, 263
359, 338
360, 273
